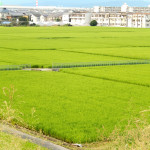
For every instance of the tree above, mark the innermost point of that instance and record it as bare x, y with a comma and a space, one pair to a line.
58, 20
23, 21
93, 23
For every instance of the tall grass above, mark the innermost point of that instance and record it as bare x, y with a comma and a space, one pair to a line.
136, 136
10, 115
7, 113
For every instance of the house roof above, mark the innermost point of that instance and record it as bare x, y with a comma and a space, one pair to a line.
4, 10
55, 15
16, 14
36, 14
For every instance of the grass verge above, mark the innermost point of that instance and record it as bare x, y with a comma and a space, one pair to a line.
11, 142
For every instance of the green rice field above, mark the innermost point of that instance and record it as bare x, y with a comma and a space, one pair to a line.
44, 46
77, 105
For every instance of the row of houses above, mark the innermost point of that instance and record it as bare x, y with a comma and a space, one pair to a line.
124, 16
37, 17
5, 15
34, 17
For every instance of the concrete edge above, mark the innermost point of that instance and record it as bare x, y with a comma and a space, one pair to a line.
30, 138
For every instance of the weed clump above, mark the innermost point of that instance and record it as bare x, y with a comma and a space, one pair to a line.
7, 112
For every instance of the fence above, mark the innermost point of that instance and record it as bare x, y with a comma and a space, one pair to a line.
14, 67
99, 63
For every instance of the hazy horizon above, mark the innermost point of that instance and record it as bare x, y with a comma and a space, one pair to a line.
77, 3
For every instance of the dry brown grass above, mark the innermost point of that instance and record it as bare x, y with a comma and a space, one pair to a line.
10, 115
136, 136
7, 113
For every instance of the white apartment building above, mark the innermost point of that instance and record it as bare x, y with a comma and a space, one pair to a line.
123, 8
98, 9
77, 18
103, 19
124, 16
139, 20
110, 19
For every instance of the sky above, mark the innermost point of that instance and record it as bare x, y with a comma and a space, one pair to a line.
77, 3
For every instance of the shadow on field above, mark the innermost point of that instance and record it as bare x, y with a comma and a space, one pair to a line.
7, 48
54, 38
109, 37
38, 49
140, 46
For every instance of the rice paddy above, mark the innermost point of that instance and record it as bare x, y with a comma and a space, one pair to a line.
75, 104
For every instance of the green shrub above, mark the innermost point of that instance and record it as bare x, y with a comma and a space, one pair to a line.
35, 66
23, 21
68, 24
58, 20
33, 24
93, 23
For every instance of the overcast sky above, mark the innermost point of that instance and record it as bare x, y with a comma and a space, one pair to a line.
77, 3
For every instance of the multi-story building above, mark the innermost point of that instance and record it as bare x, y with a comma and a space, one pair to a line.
139, 20
98, 9
110, 19
123, 8
123, 16
120, 19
